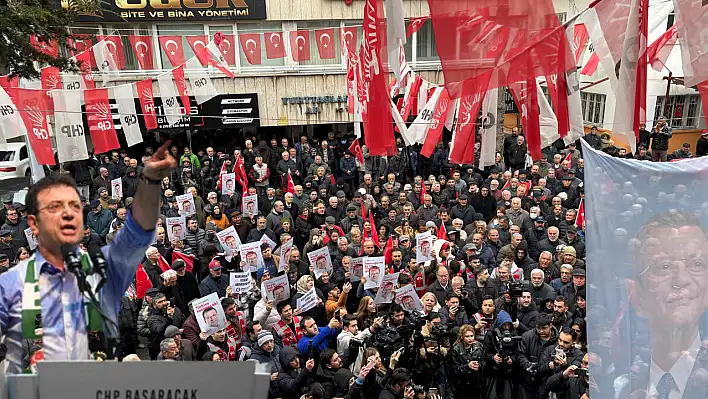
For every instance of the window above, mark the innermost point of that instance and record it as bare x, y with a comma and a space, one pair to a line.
182, 31
225, 48
263, 28
593, 107
683, 112
546, 94
561, 17
312, 27
671, 20
23, 153
427, 50
7, 156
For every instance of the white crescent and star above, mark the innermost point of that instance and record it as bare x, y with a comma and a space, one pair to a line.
297, 40
329, 39
226, 41
167, 46
196, 42
110, 43
272, 36
255, 45
137, 48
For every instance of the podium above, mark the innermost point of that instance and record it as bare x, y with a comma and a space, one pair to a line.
139, 380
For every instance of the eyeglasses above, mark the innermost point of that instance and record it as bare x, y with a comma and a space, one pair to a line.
55, 207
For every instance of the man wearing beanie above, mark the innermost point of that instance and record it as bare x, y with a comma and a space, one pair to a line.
266, 352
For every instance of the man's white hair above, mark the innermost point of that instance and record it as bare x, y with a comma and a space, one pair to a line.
150, 250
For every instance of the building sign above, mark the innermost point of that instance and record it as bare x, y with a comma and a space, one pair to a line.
234, 110
313, 104
223, 111
169, 10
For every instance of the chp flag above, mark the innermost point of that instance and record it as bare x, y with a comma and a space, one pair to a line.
125, 99
69, 126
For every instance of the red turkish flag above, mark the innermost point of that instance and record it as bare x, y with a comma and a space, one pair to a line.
251, 47
188, 260
374, 230
290, 186
415, 25
114, 44
442, 232
227, 46
325, 43
275, 48
300, 45
142, 282
463, 138
162, 264
147, 103
86, 73
465, 34
349, 37
172, 46
355, 149
51, 80
142, 47
182, 90
82, 43
580, 218
526, 98
100, 120
49, 48
32, 105
198, 43
659, 51
435, 132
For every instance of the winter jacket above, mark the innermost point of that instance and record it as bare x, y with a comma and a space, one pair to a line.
143, 329
270, 359
466, 214
459, 320
335, 382
99, 223
130, 183
80, 171
660, 139
702, 146
291, 383
347, 165
209, 285
193, 238
566, 388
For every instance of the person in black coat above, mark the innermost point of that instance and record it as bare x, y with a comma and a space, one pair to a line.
160, 316
529, 351
186, 281
702, 144
556, 358
292, 381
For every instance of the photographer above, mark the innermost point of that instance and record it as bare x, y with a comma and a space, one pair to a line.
350, 340
557, 358
468, 303
451, 315
575, 382
467, 365
660, 136
531, 347
430, 360
500, 347
484, 319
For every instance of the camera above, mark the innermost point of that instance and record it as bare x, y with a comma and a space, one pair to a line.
532, 368
418, 389
514, 288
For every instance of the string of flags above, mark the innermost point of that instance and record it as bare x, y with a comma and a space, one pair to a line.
24, 111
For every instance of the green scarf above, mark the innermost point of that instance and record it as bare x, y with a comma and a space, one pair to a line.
32, 305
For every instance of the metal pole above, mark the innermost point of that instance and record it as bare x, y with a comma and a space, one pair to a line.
594, 83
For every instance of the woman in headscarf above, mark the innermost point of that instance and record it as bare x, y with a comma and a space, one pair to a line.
218, 218
304, 284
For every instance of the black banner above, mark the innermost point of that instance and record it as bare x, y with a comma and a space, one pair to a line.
169, 10
221, 112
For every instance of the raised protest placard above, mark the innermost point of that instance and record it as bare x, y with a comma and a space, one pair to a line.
277, 289
408, 298
385, 292
186, 206
423, 246
176, 228
320, 261
251, 254
307, 301
229, 240
209, 313
374, 269
240, 282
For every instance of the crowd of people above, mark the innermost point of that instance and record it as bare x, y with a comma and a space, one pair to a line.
503, 298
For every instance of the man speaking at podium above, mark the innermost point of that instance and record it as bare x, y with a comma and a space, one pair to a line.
41, 289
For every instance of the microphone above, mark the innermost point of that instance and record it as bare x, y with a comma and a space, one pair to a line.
73, 264
99, 264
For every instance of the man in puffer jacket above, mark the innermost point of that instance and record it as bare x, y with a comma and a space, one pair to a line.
143, 329
130, 182
292, 380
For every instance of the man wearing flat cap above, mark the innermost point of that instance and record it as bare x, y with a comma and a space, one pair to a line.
6, 247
